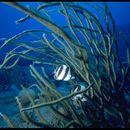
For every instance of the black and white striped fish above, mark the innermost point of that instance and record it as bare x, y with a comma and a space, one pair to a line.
80, 87
63, 72
76, 89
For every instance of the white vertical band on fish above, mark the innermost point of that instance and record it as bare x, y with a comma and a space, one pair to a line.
63, 72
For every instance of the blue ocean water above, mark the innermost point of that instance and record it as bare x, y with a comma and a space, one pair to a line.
8, 28
9, 15
120, 12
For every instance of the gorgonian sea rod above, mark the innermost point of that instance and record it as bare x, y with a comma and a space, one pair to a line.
89, 45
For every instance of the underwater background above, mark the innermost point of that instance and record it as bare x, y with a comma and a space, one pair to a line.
120, 11
12, 80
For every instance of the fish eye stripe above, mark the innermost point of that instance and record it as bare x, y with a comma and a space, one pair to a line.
59, 70
79, 87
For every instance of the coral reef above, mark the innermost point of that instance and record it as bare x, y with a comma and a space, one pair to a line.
94, 60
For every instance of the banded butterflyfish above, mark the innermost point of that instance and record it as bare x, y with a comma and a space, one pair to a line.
80, 87
63, 72
76, 89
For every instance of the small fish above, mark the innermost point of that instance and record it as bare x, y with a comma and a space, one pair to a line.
79, 88
63, 72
